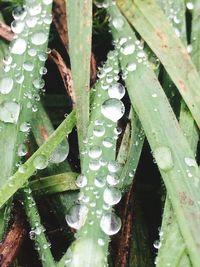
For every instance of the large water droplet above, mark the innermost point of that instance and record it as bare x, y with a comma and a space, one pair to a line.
81, 181
77, 216
190, 162
116, 91
19, 13
110, 223
95, 152
19, 46
40, 162
9, 111
39, 38
6, 85
61, 153
17, 26
113, 109
112, 196
163, 157
118, 23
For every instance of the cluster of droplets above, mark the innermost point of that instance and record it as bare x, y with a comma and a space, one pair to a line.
99, 192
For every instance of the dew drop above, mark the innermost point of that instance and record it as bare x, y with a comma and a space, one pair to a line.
128, 49
61, 152
114, 166
190, 5
163, 157
81, 181
35, 10
19, 46
190, 162
112, 196
112, 179
113, 109
101, 242
28, 66
25, 127
157, 244
110, 223
47, 2
39, 38
17, 26
131, 66
9, 111
94, 165
95, 152
77, 216
40, 162
116, 91
22, 150
31, 21
19, 13
118, 23
100, 181
98, 130
6, 85
108, 142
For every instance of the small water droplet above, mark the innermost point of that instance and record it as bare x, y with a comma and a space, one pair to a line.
17, 26
116, 91
25, 127
157, 244
94, 165
39, 38
128, 49
190, 5
108, 142
118, 23
113, 166
190, 162
100, 181
6, 85
98, 130
60, 153
81, 181
19, 46
112, 179
22, 150
95, 152
112, 196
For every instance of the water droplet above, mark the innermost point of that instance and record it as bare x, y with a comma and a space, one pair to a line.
189, 48
61, 152
9, 111
43, 71
99, 130
28, 66
116, 91
112, 196
32, 235
163, 157
25, 127
118, 23
190, 162
190, 5
154, 95
110, 223
108, 142
157, 244
81, 181
38, 83
128, 49
35, 9
19, 46
94, 165
39, 38
17, 26
77, 216
31, 21
40, 162
22, 150
6, 85
19, 13
101, 242
112, 179
32, 52
113, 109
22, 168
114, 166
131, 66
100, 181
47, 2
95, 152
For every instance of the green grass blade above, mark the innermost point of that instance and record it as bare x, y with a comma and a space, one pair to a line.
28, 168
150, 22
37, 230
79, 21
54, 184
169, 146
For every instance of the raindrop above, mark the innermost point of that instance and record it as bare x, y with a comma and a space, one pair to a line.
40, 162
35, 10
113, 166
32, 52
100, 181
190, 162
38, 83
128, 49
108, 142
101, 242
19, 13
77, 216
95, 152
154, 95
22, 150
25, 127
118, 23
113, 109
39, 38
116, 91
60, 153
94, 165
98, 130
28, 66
190, 5
43, 71
9, 111
17, 26
47, 2
19, 46
163, 157
112, 196
131, 66
157, 244
32, 235
110, 223
6, 85
112, 179
81, 181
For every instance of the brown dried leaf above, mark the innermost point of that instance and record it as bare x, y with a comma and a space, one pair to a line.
5, 32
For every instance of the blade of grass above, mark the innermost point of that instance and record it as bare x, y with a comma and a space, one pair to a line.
28, 168
79, 21
167, 142
149, 21
37, 231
